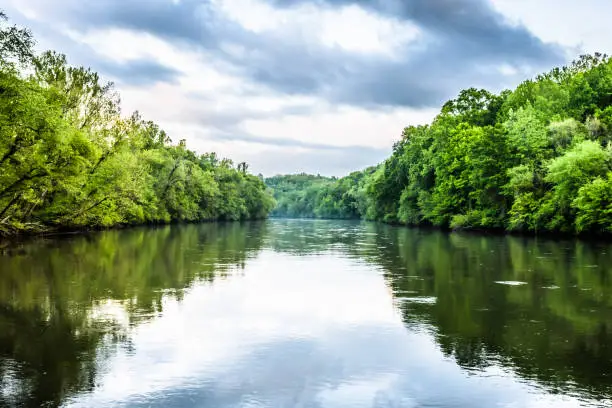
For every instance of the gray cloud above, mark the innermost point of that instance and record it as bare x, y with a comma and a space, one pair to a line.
461, 44
189, 19
135, 72
280, 155
203, 113
459, 36
275, 141
139, 72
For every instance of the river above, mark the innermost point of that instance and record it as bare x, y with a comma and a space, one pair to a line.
305, 313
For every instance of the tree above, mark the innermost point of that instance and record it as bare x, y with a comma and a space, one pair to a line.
15, 43
69, 159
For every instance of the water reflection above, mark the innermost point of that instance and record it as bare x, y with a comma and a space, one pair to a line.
554, 327
304, 313
59, 299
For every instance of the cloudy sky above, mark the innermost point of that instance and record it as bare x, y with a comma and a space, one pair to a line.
322, 86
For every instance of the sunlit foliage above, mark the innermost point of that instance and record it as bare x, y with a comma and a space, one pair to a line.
69, 158
534, 159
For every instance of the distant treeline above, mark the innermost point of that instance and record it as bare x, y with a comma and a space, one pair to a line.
308, 196
68, 158
535, 159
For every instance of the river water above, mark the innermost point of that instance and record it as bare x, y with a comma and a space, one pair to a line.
303, 313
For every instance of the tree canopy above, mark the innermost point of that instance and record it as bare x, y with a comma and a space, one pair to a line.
538, 158
309, 196
69, 158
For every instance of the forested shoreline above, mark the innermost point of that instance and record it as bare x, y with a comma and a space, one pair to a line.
533, 160
309, 196
69, 159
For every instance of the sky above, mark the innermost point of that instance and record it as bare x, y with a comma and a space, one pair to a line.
317, 86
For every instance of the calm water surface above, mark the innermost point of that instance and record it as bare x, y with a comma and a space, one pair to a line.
290, 313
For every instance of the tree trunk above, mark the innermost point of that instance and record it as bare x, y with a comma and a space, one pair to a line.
10, 204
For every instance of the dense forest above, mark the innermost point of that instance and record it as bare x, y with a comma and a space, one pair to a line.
308, 196
534, 159
69, 158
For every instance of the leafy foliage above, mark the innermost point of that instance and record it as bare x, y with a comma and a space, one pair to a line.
308, 196
69, 159
534, 159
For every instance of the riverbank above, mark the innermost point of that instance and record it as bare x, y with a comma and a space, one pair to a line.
532, 160
69, 160
584, 236
8, 241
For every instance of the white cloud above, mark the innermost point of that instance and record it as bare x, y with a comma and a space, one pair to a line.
350, 27
344, 127
206, 92
583, 26
507, 69
214, 107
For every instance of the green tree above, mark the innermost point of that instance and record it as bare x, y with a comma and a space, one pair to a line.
68, 159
